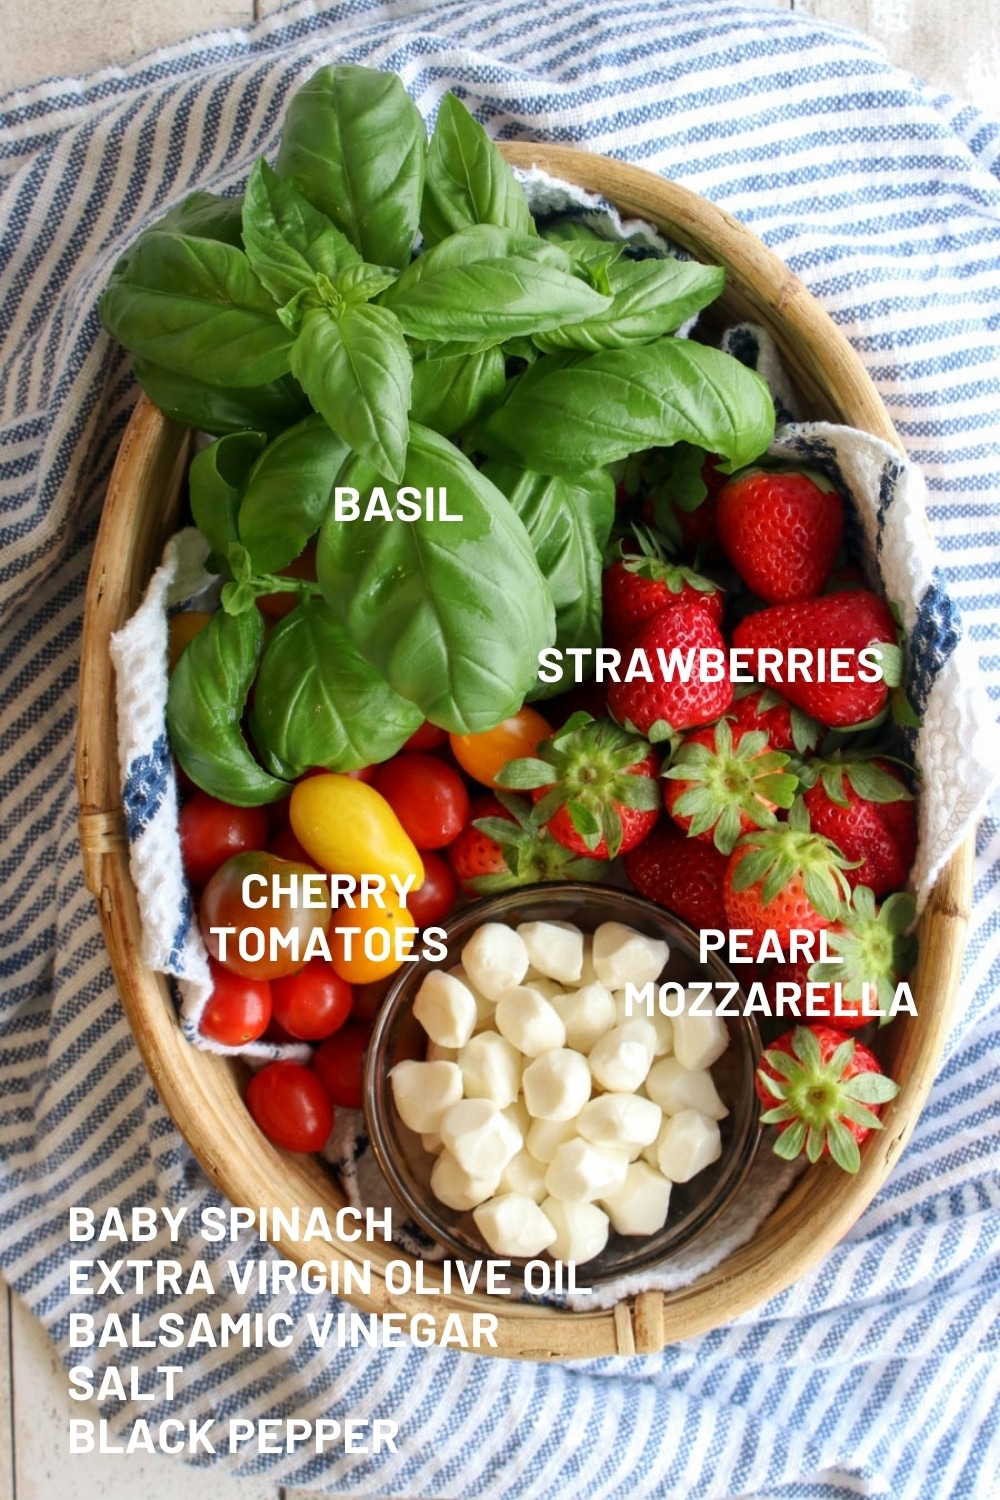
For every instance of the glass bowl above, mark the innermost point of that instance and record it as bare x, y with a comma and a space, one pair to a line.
693, 1205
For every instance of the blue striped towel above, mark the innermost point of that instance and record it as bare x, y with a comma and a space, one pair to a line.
874, 1374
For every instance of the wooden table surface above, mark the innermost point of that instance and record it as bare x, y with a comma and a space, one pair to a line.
956, 47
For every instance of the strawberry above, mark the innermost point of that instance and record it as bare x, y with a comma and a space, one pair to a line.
500, 847
863, 806
846, 622
824, 1091
781, 530
683, 875
787, 727
785, 877
873, 952
724, 781
682, 486
678, 693
594, 784
635, 587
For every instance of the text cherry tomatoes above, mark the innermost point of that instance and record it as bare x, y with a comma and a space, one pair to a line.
290, 1104
481, 756
428, 797
312, 1004
436, 897
338, 1063
254, 930
238, 1009
211, 831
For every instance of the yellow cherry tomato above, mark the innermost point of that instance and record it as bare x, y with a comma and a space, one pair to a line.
481, 756
371, 942
349, 829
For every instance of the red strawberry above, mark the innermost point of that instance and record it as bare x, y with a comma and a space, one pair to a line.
873, 951
864, 808
594, 784
683, 484
680, 692
787, 727
785, 877
637, 587
724, 781
474, 855
781, 531
847, 622
824, 1091
684, 875
501, 847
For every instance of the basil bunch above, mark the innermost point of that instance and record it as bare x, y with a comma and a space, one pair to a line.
506, 366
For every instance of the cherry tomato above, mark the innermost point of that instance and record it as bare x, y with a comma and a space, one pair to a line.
481, 756
238, 1009
436, 897
279, 604
427, 796
285, 845
375, 942
338, 1063
427, 737
347, 827
291, 1106
262, 944
368, 1002
312, 1004
212, 831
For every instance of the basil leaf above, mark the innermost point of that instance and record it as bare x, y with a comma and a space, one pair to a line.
569, 522
287, 240
649, 298
206, 216
449, 392
217, 478
317, 702
213, 408
453, 614
361, 283
205, 701
356, 370
468, 181
569, 413
288, 491
354, 144
490, 283
195, 307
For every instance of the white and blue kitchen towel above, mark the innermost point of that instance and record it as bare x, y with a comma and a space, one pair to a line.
875, 1374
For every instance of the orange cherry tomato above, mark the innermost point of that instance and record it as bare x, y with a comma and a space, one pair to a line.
379, 943
481, 756
181, 631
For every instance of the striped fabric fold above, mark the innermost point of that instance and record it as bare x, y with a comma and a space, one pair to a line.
875, 1374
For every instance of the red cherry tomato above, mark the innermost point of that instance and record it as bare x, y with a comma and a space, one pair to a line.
261, 944
212, 831
436, 897
427, 796
291, 1106
285, 845
312, 1004
481, 756
338, 1063
427, 737
238, 1009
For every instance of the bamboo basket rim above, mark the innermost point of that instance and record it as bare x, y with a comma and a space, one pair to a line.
201, 1090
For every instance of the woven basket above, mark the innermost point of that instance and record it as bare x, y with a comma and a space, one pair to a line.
203, 1092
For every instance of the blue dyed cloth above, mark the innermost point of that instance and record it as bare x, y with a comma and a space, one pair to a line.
874, 1375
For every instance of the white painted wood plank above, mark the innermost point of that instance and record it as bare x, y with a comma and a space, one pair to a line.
6, 1400
45, 1470
954, 46
48, 38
